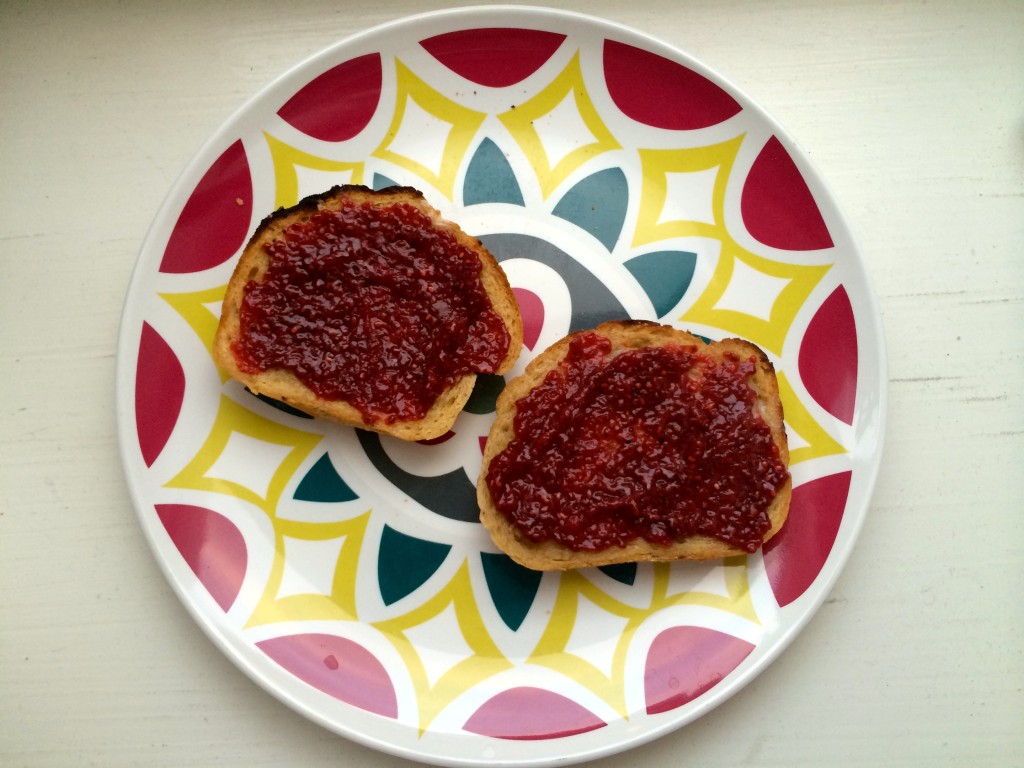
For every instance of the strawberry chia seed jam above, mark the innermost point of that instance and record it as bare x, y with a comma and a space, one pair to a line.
372, 305
659, 443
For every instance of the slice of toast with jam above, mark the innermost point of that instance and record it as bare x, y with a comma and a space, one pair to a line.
367, 308
636, 441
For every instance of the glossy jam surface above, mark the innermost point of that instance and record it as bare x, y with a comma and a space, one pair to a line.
657, 443
372, 305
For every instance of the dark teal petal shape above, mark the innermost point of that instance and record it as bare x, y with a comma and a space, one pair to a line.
380, 181
512, 587
405, 562
621, 572
323, 483
489, 177
598, 205
485, 393
664, 275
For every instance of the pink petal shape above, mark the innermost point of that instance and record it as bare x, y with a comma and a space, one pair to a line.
215, 221
656, 91
777, 207
212, 547
532, 310
531, 713
828, 356
494, 57
338, 104
338, 667
159, 392
686, 662
795, 555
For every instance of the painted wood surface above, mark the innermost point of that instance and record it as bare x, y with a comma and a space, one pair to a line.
913, 113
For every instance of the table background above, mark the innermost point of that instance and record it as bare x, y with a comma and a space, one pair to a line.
914, 113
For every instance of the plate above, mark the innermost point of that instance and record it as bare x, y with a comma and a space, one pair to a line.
612, 175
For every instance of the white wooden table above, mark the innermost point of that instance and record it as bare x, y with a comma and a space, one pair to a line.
914, 113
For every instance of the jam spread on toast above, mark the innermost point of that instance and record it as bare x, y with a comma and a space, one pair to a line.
374, 305
658, 443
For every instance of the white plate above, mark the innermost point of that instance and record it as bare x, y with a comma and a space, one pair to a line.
613, 176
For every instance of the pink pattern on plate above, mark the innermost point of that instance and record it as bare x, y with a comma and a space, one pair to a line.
212, 547
215, 221
659, 92
494, 57
532, 310
338, 104
828, 356
685, 662
795, 555
531, 713
337, 666
777, 207
159, 393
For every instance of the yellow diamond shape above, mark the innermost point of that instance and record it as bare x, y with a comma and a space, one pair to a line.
552, 648
233, 419
819, 442
736, 601
567, 93
767, 332
340, 603
419, 108
483, 660
287, 160
656, 165
194, 310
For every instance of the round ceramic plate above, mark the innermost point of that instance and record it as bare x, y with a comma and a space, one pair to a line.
612, 176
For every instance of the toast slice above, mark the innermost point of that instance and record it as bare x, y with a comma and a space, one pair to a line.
374, 341
545, 553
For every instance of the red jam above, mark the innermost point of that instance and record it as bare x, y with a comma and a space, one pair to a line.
657, 443
374, 306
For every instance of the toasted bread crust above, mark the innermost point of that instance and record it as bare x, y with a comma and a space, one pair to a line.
283, 385
631, 334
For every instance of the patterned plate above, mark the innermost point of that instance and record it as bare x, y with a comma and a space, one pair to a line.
612, 176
